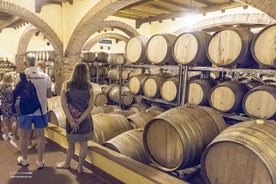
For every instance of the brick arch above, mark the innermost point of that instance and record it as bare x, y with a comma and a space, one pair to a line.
95, 39
90, 22
34, 20
25, 39
249, 18
23, 45
104, 8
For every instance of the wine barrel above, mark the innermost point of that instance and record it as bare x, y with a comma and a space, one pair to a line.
231, 46
151, 86
138, 107
135, 50
243, 153
107, 126
140, 119
102, 57
190, 48
105, 109
125, 113
260, 102
176, 138
57, 117
135, 84
263, 46
100, 97
227, 96
116, 59
169, 89
126, 99
198, 91
114, 74
159, 49
88, 56
53, 102
130, 144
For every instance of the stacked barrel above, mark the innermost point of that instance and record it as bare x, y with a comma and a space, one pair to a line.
236, 150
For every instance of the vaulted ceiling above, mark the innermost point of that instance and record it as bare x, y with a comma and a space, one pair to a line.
145, 11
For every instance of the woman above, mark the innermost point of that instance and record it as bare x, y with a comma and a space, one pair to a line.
77, 100
9, 118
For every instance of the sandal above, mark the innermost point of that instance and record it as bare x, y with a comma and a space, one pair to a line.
62, 165
79, 170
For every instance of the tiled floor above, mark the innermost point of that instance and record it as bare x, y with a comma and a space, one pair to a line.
12, 173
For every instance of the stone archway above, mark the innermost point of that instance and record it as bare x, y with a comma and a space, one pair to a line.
95, 39
104, 8
91, 22
33, 19
23, 45
249, 18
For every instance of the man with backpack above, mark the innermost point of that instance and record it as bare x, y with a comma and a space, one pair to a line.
27, 115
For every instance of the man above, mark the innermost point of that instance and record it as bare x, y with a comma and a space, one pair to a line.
41, 65
42, 83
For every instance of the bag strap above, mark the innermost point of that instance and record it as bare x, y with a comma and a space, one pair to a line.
40, 108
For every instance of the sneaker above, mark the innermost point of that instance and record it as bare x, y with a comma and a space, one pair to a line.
5, 137
40, 165
30, 147
13, 143
22, 162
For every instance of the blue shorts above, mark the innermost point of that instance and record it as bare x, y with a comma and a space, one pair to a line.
25, 122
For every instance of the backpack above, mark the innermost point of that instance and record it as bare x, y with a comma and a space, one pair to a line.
25, 100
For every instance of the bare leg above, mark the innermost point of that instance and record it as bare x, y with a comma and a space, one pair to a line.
83, 154
70, 153
5, 128
40, 143
30, 137
14, 128
23, 142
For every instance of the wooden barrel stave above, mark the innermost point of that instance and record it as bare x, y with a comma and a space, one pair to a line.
181, 131
190, 48
246, 149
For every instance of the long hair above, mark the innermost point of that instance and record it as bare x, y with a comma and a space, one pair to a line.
80, 78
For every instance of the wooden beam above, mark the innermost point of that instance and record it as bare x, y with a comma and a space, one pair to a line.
9, 22
139, 22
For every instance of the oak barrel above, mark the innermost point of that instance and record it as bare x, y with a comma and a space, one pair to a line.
100, 97
227, 96
190, 48
107, 126
105, 109
263, 46
135, 50
140, 119
243, 153
135, 84
260, 102
231, 46
151, 86
130, 144
116, 59
169, 89
198, 91
126, 98
53, 102
138, 107
57, 117
159, 49
176, 138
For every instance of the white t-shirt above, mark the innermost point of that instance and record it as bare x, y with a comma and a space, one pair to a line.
42, 82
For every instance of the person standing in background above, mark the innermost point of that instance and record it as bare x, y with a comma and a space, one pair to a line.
77, 100
41, 65
42, 83
9, 118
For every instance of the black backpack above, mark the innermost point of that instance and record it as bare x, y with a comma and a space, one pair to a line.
25, 100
